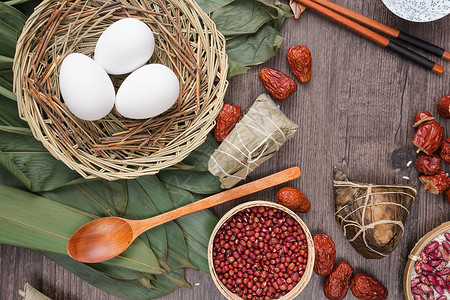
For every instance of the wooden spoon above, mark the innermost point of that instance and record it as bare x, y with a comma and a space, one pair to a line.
105, 238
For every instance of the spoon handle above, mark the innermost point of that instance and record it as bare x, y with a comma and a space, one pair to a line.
246, 189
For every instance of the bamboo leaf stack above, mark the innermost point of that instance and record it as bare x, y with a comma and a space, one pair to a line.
42, 201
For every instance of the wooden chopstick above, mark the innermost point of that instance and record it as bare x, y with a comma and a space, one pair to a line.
373, 36
397, 34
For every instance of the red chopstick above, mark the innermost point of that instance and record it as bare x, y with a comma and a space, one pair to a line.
419, 59
397, 34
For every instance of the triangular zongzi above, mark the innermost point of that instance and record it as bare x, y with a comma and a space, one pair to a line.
372, 216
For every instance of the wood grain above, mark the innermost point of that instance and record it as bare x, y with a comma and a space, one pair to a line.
356, 112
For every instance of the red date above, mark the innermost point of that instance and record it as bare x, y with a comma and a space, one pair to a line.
365, 287
336, 285
325, 251
429, 137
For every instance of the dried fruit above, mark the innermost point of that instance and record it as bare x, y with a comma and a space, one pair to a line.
365, 287
422, 116
443, 107
299, 60
436, 184
336, 285
447, 196
325, 251
428, 164
277, 83
429, 137
228, 117
293, 199
445, 150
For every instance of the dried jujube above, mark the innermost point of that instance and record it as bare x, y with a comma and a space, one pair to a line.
443, 107
228, 117
299, 60
278, 84
365, 287
429, 137
422, 116
445, 151
436, 184
325, 251
428, 164
293, 199
336, 285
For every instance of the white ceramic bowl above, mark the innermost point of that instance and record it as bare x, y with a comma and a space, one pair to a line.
419, 10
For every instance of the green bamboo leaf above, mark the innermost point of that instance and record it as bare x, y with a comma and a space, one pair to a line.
235, 69
162, 285
33, 160
197, 228
254, 49
12, 16
209, 6
121, 288
118, 272
25, 6
34, 222
140, 207
246, 16
6, 62
9, 115
152, 192
192, 181
278, 22
6, 89
178, 254
199, 157
8, 39
7, 75
16, 130
102, 198
7, 179
13, 169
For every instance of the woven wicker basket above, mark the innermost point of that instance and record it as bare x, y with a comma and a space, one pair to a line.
414, 256
311, 253
116, 147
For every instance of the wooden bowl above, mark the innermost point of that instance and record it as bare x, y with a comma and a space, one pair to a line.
414, 255
311, 254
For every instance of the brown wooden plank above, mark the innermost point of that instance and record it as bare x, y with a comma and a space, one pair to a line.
356, 113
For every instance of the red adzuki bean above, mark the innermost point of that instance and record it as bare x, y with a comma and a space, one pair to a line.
269, 257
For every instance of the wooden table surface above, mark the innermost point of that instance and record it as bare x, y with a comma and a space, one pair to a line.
356, 112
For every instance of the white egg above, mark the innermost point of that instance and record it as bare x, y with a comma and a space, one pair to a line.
85, 87
124, 46
147, 92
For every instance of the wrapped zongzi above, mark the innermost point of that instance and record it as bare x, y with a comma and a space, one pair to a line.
255, 139
372, 216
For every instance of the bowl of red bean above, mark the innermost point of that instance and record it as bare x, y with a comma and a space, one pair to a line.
427, 271
261, 250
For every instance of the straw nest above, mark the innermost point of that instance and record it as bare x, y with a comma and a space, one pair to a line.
116, 147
